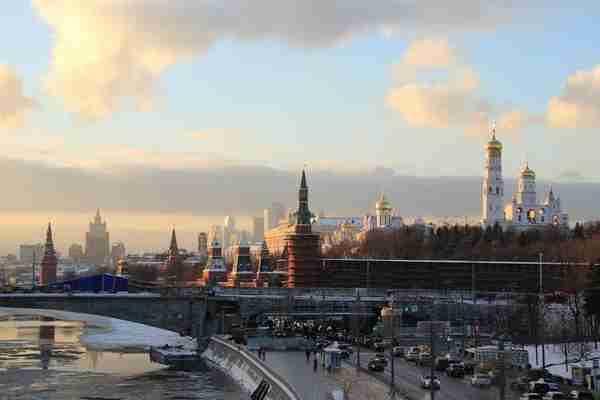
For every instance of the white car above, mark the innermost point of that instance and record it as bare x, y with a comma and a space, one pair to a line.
426, 381
554, 396
481, 380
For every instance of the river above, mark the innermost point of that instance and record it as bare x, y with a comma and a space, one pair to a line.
42, 358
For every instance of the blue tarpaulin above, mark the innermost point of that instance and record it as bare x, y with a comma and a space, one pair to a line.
95, 283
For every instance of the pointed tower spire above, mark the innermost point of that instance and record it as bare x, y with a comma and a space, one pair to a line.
49, 262
173, 248
303, 214
303, 180
493, 130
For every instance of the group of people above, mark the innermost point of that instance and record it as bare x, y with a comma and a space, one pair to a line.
262, 353
315, 362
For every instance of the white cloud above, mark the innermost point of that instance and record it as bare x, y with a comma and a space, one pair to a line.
109, 53
13, 103
455, 101
578, 105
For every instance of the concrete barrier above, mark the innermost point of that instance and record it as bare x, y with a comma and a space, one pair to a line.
246, 369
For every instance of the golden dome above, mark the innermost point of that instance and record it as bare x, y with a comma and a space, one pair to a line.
527, 172
494, 144
382, 203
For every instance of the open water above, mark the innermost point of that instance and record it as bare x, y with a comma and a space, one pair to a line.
42, 358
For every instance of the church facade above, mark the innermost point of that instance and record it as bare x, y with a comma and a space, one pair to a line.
524, 210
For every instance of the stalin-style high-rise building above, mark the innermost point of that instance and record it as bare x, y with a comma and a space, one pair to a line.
49, 262
97, 245
303, 246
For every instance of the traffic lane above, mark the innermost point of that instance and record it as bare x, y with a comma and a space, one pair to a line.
407, 376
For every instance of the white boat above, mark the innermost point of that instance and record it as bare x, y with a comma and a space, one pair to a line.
174, 356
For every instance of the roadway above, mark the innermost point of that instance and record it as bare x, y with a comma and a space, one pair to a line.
407, 379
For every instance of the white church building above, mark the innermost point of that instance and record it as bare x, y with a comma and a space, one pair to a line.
524, 210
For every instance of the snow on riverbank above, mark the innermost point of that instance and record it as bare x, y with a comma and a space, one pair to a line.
112, 333
554, 354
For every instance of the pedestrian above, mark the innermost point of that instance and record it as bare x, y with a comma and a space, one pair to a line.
315, 364
260, 353
307, 355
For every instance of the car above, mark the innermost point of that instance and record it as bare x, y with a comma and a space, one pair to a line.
539, 386
480, 379
455, 371
398, 351
424, 359
441, 363
553, 395
381, 358
520, 384
531, 396
412, 355
378, 346
377, 364
427, 381
580, 395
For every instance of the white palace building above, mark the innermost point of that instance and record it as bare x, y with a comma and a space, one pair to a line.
524, 210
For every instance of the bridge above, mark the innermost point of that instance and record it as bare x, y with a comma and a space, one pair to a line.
200, 314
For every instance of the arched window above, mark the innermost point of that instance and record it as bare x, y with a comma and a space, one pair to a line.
531, 216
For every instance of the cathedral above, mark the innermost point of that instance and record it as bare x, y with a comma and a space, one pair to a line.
524, 210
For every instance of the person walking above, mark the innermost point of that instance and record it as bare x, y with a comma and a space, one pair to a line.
307, 355
315, 364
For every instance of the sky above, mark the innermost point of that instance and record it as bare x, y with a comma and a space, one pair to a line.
229, 99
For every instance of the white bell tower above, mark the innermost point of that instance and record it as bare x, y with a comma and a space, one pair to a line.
492, 193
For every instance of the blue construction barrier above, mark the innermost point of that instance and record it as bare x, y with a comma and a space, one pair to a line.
95, 283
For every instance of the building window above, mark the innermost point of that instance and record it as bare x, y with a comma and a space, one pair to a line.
497, 190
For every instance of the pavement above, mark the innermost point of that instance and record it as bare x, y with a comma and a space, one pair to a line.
293, 367
407, 381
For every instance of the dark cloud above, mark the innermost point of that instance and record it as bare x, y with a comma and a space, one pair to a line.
246, 190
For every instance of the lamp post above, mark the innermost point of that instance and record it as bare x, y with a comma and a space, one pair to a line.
541, 287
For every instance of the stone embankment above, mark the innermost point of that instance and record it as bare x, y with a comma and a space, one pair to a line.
246, 369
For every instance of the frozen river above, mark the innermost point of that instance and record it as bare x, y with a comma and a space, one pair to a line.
44, 358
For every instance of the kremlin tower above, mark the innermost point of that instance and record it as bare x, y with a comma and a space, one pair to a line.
242, 274
303, 246
49, 261
215, 270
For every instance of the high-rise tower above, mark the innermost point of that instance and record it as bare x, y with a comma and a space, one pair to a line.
49, 261
492, 193
97, 245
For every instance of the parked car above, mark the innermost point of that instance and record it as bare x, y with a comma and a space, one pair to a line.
479, 379
580, 395
531, 396
554, 396
455, 371
378, 346
398, 351
539, 386
428, 381
412, 355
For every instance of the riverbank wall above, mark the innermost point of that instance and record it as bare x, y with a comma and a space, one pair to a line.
246, 369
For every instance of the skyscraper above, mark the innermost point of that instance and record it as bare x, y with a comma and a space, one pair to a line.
49, 262
272, 216
258, 230
117, 252
203, 244
76, 252
97, 245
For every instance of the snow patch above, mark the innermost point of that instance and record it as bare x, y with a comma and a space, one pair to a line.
115, 334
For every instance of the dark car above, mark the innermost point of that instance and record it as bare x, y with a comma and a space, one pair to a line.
455, 371
377, 364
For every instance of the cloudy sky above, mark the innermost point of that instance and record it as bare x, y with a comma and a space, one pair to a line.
174, 109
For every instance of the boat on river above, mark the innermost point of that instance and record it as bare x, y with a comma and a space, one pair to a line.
177, 357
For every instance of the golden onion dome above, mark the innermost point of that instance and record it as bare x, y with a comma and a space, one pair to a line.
383, 204
494, 144
527, 172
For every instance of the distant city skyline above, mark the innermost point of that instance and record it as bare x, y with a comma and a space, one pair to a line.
144, 118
